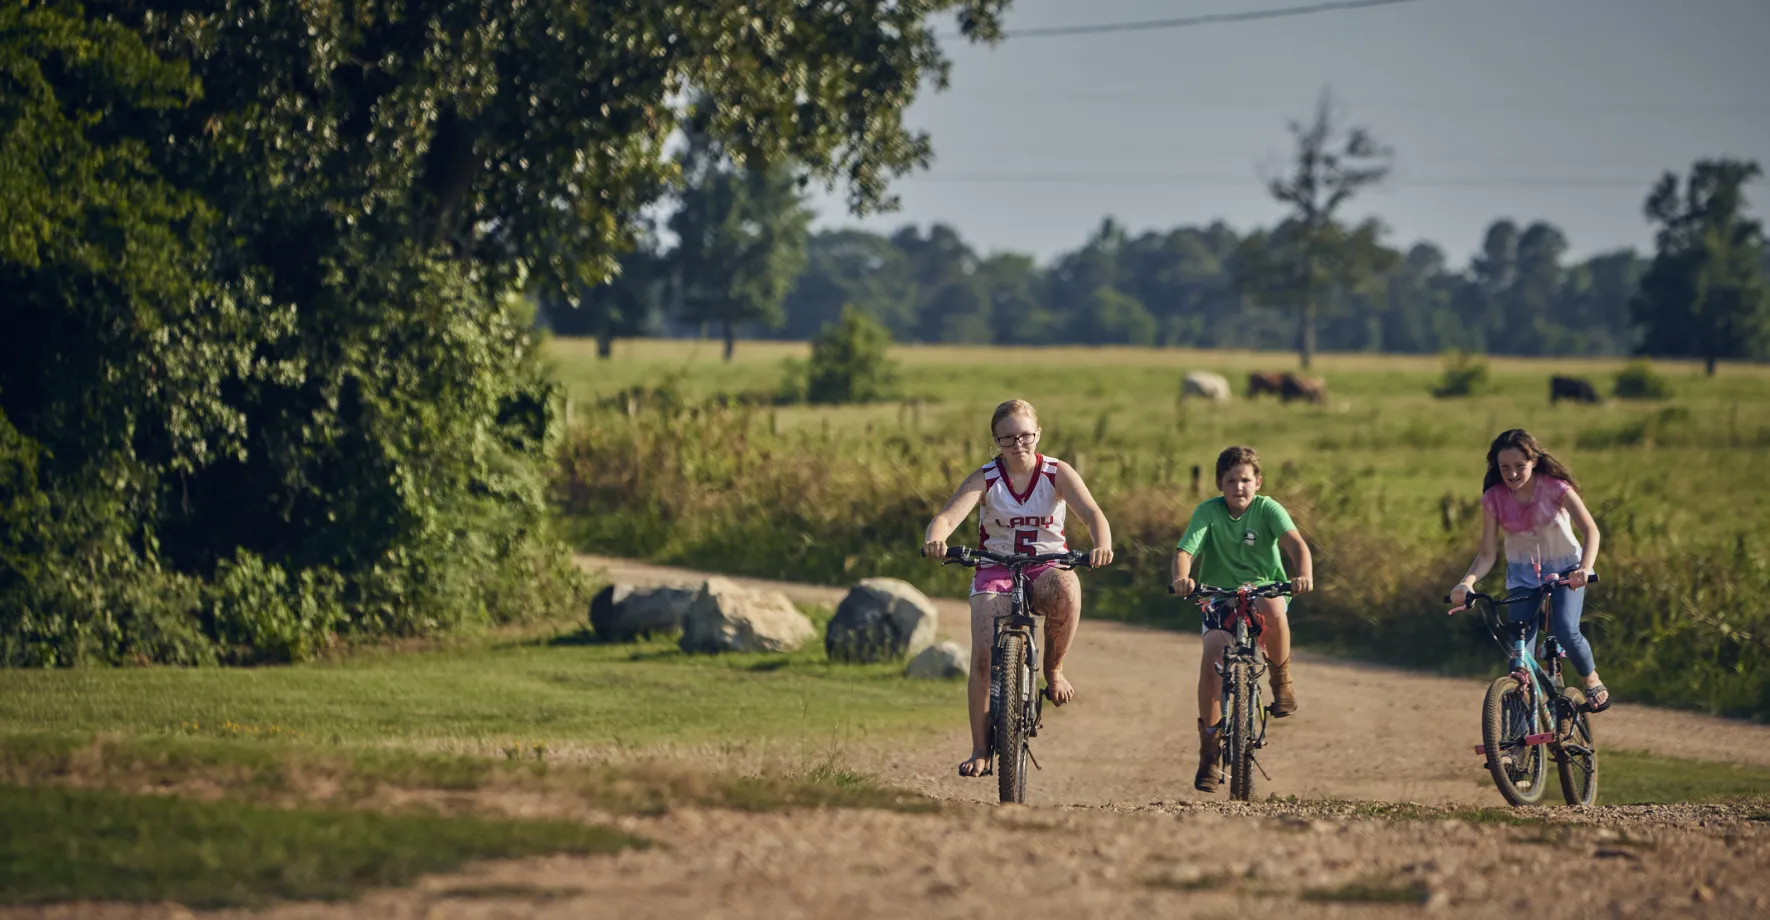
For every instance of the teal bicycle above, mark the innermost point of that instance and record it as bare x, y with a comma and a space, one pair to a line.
1529, 716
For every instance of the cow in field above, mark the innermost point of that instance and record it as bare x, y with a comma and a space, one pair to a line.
1205, 385
1265, 383
1574, 388
1313, 389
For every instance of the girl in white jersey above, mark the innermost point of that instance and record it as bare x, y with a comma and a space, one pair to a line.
1532, 499
1024, 497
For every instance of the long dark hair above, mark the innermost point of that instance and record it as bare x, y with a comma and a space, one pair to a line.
1521, 440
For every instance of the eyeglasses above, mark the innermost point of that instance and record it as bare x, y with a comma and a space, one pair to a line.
1009, 440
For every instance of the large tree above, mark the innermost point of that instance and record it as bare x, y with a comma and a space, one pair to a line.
1704, 295
261, 260
1313, 253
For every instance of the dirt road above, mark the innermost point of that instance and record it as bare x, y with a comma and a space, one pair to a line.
1363, 732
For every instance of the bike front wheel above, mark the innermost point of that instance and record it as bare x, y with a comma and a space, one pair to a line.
1011, 721
1519, 769
1238, 748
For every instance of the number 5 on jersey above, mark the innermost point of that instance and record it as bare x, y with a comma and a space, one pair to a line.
1024, 541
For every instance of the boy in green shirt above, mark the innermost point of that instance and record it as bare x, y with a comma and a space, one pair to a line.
1237, 539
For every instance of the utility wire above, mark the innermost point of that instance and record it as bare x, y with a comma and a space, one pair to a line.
1251, 181
1147, 96
1190, 21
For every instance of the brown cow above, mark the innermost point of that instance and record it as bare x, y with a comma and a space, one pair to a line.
1265, 383
1313, 389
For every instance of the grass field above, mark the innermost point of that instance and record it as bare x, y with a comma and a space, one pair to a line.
1116, 409
566, 693
108, 777
1383, 479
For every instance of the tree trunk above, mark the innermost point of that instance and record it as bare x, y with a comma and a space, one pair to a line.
448, 176
1708, 365
730, 338
605, 344
1306, 334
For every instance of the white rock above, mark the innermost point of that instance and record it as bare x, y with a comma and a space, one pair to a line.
727, 618
941, 661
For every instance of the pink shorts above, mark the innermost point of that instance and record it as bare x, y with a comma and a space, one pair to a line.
996, 579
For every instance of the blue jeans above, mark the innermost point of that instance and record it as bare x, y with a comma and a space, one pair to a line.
1565, 605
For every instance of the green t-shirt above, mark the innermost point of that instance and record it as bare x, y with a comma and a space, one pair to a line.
1237, 551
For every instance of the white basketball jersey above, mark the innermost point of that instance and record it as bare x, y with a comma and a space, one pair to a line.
1030, 523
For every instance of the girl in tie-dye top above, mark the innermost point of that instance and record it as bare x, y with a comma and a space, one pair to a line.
1531, 500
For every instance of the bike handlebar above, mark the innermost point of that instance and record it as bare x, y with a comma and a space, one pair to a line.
1275, 589
1471, 597
965, 555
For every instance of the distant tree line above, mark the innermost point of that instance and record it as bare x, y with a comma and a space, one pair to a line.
1701, 294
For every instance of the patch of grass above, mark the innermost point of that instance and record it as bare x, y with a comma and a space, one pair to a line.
1407, 811
487, 697
1369, 891
1633, 778
509, 891
59, 843
306, 775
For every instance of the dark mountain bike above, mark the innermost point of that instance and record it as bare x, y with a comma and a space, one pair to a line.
1015, 707
1530, 709
1244, 719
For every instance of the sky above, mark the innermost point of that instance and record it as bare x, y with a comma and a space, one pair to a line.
1559, 110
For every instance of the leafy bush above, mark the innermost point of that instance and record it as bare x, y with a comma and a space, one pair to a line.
1465, 374
849, 362
1638, 380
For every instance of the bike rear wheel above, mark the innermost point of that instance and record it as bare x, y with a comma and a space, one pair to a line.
1238, 750
1576, 754
1011, 722
1519, 770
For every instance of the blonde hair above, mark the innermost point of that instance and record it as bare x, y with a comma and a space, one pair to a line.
1010, 409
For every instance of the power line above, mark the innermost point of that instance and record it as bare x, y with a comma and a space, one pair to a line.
1150, 95
1190, 21
1248, 180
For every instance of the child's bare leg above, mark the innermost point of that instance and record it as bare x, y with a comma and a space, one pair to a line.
1210, 683
1058, 595
984, 608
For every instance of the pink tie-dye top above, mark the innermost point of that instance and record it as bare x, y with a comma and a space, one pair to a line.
1539, 530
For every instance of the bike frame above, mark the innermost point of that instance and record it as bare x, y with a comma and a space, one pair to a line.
1020, 619
1243, 623
1542, 683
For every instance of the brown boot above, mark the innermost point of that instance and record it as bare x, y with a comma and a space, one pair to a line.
1210, 752
1284, 696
